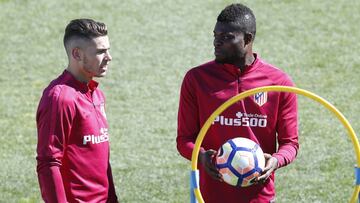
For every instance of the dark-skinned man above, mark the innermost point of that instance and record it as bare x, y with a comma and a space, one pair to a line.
236, 69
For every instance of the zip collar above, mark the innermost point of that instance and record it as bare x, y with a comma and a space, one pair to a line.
234, 70
81, 86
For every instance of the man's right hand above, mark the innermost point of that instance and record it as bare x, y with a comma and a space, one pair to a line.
206, 159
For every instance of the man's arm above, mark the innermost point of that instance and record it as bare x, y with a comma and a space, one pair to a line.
112, 198
188, 118
53, 124
189, 127
287, 128
51, 184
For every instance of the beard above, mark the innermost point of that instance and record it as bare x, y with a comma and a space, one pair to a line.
235, 59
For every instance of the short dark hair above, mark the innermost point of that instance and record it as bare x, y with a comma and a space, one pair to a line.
85, 29
241, 15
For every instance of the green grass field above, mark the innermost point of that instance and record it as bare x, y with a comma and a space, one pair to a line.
153, 44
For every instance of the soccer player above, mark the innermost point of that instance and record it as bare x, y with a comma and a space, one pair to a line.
73, 140
268, 118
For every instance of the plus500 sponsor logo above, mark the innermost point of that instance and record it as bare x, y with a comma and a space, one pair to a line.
243, 119
96, 139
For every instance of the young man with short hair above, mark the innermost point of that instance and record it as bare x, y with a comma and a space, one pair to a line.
73, 140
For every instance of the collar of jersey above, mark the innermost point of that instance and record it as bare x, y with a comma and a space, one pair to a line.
236, 71
83, 87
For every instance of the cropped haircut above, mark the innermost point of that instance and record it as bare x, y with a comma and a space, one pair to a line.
84, 29
240, 15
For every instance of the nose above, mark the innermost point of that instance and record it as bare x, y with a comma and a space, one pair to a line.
217, 42
108, 56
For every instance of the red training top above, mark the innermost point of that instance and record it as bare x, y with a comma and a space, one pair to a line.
269, 119
73, 148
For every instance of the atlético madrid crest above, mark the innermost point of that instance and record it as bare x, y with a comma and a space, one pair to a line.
260, 98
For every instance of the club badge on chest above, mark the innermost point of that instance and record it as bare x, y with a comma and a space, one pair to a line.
260, 98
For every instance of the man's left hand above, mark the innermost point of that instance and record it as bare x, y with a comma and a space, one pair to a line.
271, 164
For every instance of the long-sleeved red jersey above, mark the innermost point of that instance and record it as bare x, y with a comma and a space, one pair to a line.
73, 148
268, 118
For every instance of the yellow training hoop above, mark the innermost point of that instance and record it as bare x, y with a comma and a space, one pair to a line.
225, 105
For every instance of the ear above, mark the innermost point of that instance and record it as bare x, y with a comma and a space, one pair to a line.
77, 54
248, 38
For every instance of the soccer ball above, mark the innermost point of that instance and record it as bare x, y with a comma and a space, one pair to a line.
240, 160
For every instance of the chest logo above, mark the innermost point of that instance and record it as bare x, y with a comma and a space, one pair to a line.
260, 98
102, 109
97, 139
242, 119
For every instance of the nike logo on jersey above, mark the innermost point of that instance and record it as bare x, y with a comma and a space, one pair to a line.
243, 119
102, 109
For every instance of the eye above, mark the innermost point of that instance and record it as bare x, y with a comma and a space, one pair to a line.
101, 51
228, 37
